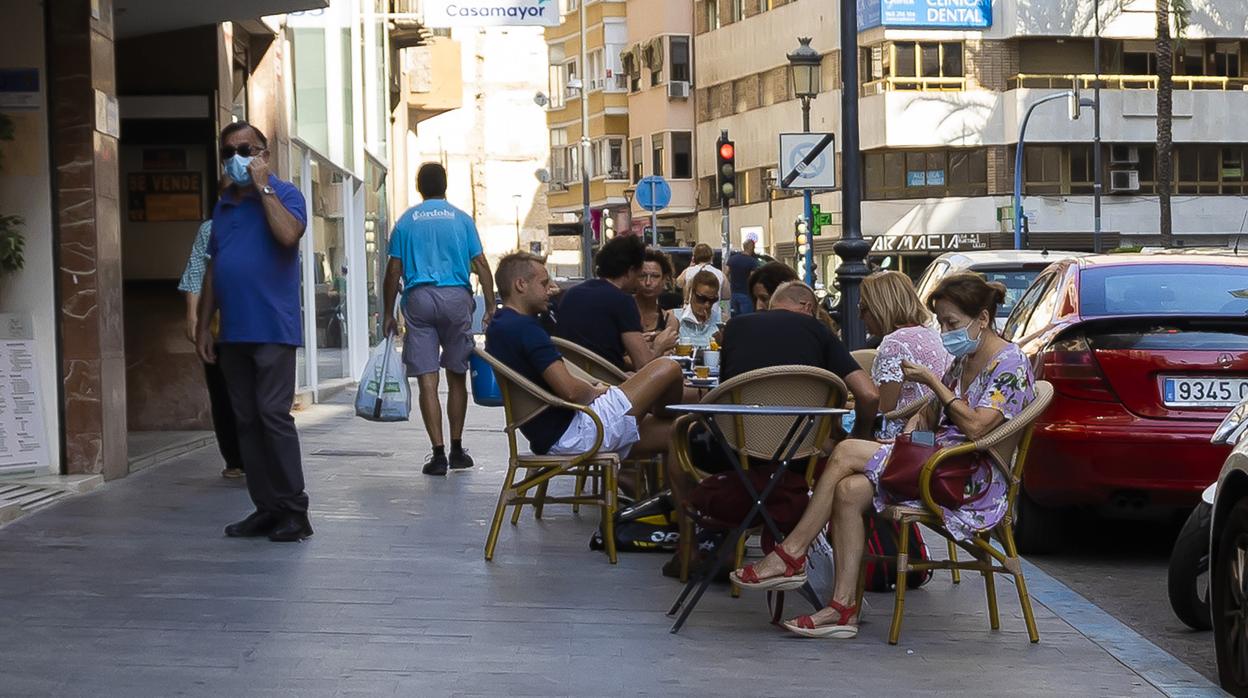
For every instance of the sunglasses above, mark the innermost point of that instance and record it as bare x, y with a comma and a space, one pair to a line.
228, 151
704, 299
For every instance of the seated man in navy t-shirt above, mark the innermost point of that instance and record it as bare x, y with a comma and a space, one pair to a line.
516, 338
601, 314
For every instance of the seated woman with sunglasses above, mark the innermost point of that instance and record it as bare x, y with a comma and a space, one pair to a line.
990, 382
700, 318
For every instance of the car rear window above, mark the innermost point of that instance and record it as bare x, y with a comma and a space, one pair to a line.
1164, 289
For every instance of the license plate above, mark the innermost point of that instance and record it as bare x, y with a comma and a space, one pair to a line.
1204, 392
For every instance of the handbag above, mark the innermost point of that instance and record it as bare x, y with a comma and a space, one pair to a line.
900, 478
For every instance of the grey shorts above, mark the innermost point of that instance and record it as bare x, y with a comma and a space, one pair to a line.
439, 321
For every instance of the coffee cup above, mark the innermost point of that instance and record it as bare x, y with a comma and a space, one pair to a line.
684, 350
702, 372
710, 359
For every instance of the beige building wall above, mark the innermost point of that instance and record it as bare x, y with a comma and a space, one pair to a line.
496, 142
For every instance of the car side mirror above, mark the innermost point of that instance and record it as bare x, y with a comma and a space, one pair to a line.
1233, 426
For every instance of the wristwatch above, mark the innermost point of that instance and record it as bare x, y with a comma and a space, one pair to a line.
266, 189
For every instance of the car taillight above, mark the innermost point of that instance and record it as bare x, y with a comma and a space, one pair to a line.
1072, 369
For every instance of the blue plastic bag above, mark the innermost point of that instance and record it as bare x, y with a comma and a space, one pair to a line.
384, 395
485, 390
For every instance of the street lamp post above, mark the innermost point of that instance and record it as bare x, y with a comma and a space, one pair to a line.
1018, 160
516, 198
851, 248
805, 64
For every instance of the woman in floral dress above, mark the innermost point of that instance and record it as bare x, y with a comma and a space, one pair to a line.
892, 310
990, 383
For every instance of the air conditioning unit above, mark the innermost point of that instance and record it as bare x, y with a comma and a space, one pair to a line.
678, 89
1124, 155
557, 186
1124, 181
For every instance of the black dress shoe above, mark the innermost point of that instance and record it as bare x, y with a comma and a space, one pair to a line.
258, 524
291, 529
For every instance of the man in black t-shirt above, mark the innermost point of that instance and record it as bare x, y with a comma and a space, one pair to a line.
788, 334
738, 268
516, 338
601, 315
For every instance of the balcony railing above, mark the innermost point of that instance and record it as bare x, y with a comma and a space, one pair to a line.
1087, 81
913, 84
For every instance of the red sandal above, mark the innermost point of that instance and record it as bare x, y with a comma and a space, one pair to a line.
794, 576
840, 630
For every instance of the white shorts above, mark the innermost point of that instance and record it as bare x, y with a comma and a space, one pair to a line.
619, 428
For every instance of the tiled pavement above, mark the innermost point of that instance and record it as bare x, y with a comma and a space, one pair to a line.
133, 591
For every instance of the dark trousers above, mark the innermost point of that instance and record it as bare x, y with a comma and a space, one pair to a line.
223, 416
261, 381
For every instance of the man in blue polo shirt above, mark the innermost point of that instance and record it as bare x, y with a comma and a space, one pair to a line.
253, 280
434, 249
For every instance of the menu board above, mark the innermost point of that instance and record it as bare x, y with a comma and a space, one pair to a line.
23, 441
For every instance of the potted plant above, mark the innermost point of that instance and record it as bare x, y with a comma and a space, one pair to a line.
12, 241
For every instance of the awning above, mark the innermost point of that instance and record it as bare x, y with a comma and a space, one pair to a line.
138, 17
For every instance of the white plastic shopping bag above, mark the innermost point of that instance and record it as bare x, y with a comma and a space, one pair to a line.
821, 568
384, 395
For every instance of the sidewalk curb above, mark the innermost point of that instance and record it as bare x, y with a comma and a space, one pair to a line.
1161, 669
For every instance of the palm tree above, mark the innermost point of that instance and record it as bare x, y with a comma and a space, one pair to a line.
1165, 106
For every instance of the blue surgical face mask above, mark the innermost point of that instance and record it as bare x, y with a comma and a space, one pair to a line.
959, 343
236, 169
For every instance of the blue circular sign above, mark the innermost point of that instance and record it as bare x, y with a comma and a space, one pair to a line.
814, 169
654, 193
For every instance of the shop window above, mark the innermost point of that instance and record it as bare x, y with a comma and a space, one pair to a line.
921, 174
682, 155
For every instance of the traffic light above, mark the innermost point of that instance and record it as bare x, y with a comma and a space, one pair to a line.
802, 241
608, 225
726, 168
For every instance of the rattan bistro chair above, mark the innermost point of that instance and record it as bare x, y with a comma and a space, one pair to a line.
590, 362
864, 357
1007, 445
522, 401
757, 438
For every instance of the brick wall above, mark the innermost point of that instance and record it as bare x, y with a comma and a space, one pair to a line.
990, 64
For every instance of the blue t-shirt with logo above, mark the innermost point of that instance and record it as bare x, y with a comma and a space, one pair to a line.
255, 279
520, 343
436, 243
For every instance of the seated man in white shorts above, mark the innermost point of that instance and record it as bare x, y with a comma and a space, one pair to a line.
628, 412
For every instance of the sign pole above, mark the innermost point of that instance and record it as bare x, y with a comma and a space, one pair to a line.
654, 213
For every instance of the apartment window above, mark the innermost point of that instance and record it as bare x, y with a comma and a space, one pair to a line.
738, 10
1042, 169
1189, 59
1082, 173
612, 162
1139, 63
682, 68
559, 166
1226, 59
656, 154
558, 78
922, 174
636, 161
682, 155
764, 5
915, 59
712, 14
1199, 169
574, 163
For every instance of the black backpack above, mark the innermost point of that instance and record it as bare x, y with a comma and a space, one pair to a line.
647, 526
882, 576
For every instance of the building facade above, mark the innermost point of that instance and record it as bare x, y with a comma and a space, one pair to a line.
113, 163
657, 71
604, 123
940, 110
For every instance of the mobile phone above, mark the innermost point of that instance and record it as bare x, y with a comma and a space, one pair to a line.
923, 438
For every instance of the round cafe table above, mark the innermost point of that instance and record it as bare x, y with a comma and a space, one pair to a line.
804, 420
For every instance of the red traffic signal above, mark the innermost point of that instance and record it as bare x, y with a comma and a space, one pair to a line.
726, 169
727, 151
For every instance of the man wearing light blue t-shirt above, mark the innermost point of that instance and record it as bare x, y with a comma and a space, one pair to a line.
434, 250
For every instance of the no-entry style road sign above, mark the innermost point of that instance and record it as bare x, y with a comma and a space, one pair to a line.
807, 161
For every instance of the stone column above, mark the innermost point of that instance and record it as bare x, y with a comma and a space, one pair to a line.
87, 235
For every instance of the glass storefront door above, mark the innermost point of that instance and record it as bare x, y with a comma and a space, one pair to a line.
329, 270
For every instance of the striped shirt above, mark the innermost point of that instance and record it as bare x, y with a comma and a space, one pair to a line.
193, 277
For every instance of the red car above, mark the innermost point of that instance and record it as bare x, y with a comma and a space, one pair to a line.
1146, 353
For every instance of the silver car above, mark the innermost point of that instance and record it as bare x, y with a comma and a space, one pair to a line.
1228, 556
1014, 268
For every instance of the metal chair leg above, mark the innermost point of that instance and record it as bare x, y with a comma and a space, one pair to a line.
580, 490
687, 545
953, 557
899, 600
500, 510
1006, 533
608, 510
990, 587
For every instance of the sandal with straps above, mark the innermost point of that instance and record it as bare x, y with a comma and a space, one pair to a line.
793, 577
840, 630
